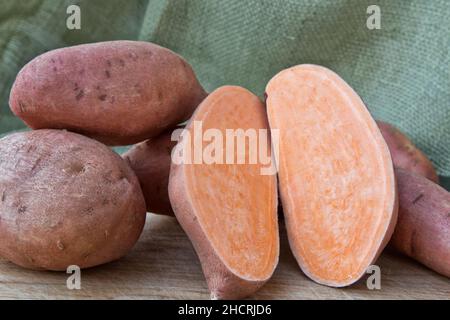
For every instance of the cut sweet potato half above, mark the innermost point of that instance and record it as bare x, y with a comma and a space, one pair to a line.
228, 210
336, 177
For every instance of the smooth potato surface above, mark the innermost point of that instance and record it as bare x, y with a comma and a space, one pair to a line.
405, 154
151, 160
65, 200
118, 92
423, 229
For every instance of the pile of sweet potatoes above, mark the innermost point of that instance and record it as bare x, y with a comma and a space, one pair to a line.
348, 185
67, 199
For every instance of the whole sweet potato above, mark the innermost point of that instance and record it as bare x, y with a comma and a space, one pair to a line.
405, 154
423, 228
118, 92
65, 200
151, 160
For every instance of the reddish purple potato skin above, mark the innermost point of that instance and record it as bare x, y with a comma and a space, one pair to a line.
65, 200
118, 92
405, 154
423, 227
151, 160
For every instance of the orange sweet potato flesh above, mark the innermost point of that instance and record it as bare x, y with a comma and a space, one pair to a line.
405, 154
336, 177
228, 210
423, 228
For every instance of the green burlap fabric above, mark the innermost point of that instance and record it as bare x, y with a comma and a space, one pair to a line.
401, 71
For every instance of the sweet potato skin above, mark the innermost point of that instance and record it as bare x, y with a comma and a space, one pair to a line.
222, 283
118, 92
150, 160
423, 228
405, 154
65, 200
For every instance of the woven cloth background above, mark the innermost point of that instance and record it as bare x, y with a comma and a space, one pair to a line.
402, 71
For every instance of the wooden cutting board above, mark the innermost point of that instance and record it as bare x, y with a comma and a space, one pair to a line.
163, 265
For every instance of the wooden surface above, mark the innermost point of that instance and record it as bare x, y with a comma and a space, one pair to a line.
163, 265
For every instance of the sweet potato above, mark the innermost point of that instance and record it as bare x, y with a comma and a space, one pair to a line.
423, 228
150, 160
118, 92
65, 200
405, 154
336, 178
228, 210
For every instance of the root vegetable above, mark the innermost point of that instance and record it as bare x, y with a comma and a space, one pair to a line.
65, 200
336, 176
423, 228
405, 154
228, 210
118, 92
150, 160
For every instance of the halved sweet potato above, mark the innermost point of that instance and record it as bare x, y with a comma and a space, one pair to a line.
405, 154
229, 211
336, 177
